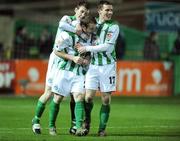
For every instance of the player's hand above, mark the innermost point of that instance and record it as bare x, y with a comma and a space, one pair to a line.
78, 60
78, 29
81, 50
77, 45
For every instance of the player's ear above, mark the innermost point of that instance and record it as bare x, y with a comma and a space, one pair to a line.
83, 28
99, 10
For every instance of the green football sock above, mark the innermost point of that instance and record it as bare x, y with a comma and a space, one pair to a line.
39, 111
79, 111
54, 109
104, 116
88, 109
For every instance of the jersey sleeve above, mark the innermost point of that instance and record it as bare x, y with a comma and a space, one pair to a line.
110, 40
62, 41
66, 24
112, 34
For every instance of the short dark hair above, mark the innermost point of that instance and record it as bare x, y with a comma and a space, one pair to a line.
87, 20
102, 2
83, 3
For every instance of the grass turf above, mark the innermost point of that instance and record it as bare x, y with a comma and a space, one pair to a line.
131, 119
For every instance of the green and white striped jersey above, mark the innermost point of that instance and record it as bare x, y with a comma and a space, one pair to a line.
65, 43
107, 33
67, 23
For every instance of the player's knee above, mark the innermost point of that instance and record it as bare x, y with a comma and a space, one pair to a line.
57, 98
89, 99
78, 97
106, 100
45, 97
48, 95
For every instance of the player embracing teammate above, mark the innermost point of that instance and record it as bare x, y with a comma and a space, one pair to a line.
101, 74
71, 25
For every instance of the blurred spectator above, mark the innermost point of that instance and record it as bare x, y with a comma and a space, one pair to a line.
1, 51
176, 47
120, 46
33, 46
22, 43
151, 48
8, 53
45, 43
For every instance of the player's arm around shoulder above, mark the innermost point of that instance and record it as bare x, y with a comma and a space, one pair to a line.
65, 19
66, 24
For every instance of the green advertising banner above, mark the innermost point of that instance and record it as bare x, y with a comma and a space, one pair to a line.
162, 16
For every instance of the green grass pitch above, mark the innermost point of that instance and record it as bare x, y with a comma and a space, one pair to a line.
131, 119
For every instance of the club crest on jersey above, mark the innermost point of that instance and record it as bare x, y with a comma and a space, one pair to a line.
109, 35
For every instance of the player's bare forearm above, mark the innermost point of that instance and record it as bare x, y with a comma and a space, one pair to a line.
75, 59
63, 55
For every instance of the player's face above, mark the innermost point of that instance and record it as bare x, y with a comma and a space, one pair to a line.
91, 28
81, 12
106, 12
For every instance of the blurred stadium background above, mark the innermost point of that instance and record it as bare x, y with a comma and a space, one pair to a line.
27, 32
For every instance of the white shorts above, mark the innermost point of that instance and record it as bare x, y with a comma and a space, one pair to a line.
66, 82
101, 78
52, 66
